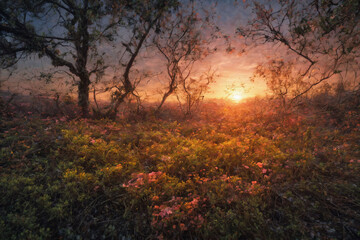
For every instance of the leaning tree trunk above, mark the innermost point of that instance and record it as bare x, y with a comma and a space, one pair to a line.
165, 96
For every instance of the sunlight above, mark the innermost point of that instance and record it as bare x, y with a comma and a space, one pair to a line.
236, 97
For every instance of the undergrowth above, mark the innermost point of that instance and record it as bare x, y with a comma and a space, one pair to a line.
244, 176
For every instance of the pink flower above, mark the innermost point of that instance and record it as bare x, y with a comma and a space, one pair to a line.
165, 211
153, 176
194, 202
260, 165
264, 171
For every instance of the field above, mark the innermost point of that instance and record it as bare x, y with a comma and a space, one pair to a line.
239, 171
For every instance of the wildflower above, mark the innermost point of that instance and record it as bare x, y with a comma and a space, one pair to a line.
183, 227
166, 211
200, 220
195, 201
165, 158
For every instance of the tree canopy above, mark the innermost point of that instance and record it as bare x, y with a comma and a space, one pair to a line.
321, 38
68, 32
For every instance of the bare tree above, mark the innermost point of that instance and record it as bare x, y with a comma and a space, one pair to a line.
192, 91
147, 19
184, 39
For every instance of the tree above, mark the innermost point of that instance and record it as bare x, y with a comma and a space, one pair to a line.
147, 19
281, 80
65, 31
321, 37
192, 91
184, 40
178, 43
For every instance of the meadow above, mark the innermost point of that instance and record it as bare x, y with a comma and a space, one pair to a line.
232, 171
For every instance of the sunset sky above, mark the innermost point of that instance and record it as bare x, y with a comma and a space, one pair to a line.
233, 69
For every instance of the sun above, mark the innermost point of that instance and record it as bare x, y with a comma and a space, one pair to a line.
236, 97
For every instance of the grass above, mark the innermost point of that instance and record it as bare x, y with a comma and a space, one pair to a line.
231, 173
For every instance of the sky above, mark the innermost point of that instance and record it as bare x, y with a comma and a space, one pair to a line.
233, 69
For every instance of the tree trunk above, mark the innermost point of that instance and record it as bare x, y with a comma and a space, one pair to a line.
83, 97
166, 95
